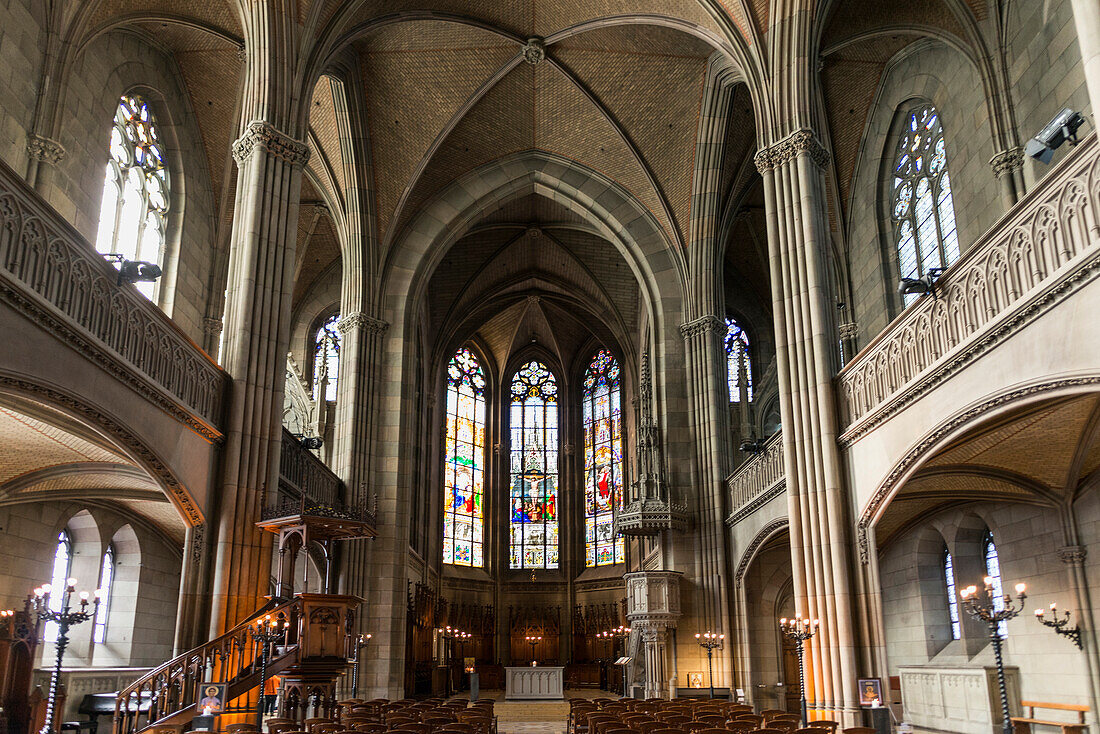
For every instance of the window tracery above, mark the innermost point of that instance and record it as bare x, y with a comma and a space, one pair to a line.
135, 198
923, 210
326, 357
464, 462
533, 489
603, 460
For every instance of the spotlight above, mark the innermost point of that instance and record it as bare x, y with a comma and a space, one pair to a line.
1062, 128
920, 286
752, 446
312, 442
134, 271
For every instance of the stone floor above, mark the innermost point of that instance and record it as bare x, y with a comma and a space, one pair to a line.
535, 717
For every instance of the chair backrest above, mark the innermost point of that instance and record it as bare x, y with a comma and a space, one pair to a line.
715, 730
825, 723
280, 727
769, 731
693, 726
668, 731
309, 724
715, 720
740, 726
860, 730
812, 730
783, 725
327, 728
768, 713
369, 727
457, 727
418, 728
648, 727
754, 718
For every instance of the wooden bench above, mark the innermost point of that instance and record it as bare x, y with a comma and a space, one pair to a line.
1022, 724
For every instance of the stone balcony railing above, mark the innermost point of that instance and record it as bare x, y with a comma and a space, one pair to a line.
757, 481
50, 273
1040, 252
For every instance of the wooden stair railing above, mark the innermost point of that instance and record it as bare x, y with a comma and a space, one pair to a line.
169, 693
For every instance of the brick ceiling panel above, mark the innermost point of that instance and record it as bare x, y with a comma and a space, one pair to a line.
321, 250
413, 90
501, 123
740, 143
554, 15
459, 266
99, 480
511, 16
571, 126
608, 268
497, 331
29, 444
219, 14
655, 97
322, 122
851, 18
533, 208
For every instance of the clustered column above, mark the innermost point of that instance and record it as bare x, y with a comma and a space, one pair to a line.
805, 356
257, 334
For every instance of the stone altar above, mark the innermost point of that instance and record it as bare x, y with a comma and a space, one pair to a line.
540, 682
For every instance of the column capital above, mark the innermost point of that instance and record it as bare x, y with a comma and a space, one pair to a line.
359, 320
797, 143
1007, 161
702, 325
260, 134
45, 149
1073, 554
212, 327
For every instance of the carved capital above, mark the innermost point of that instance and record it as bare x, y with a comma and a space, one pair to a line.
801, 142
848, 330
1073, 554
702, 325
534, 51
212, 327
260, 134
1007, 161
570, 449
360, 320
44, 149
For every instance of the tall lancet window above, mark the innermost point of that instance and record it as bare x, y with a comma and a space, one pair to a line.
533, 422
106, 577
737, 358
924, 214
952, 598
464, 462
603, 461
326, 357
62, 567
135, 188
993, 571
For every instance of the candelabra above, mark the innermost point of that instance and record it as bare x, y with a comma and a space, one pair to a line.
1059, 625
798, 630
359, 641
266, 632
533, 641
710, 642
65, 617
988, 612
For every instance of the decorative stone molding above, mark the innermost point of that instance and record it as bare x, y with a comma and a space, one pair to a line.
44, 149
534, 232
242, 53
651, 516
260, 134
653, 598
797, 143
359, 320
197, 534
1039, 255
1007, 161
118, 432
848, 330
762, 537
886, 489
534, 51
757, 481
62, 284
702, 325
1073, 555
212, 327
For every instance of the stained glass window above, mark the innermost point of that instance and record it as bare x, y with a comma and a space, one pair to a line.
59, 579
106, 575
464, 462
533, 490
603, 461
326, 357
923, 211
135, 188
737, 351
993, 571
952, 599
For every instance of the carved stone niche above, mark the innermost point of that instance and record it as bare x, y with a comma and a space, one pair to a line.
653, 596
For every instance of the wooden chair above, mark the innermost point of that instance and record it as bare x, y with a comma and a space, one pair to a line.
860, 730
242, 727
309, 724
648, 727
327, 728
756, 719
669, 731
369, 728
740, 726
694, 726
812, 730
772, 713
716, 730
418, 727
716, 721
458, 727
825, 724
783, 725
280, 726
770, 731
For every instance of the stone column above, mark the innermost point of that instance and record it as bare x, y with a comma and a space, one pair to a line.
1008, 168
797, 240
1086, 18
1074, 558
40, 150
703, 345
652, 609
257, 335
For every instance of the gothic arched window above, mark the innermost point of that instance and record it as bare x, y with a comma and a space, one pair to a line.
135, 188
464, 462
923, 212
952, 600
59, 579
993, 571
106, 576
737, 358
533, 422
603, 461
326, 357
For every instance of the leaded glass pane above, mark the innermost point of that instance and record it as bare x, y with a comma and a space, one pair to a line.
737, 358
326, 357
464, 462
533, 461
952, 599
993, 571
603, 455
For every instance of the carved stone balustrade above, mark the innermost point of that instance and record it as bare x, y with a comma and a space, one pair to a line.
1042, 251
53, 276
757, 481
